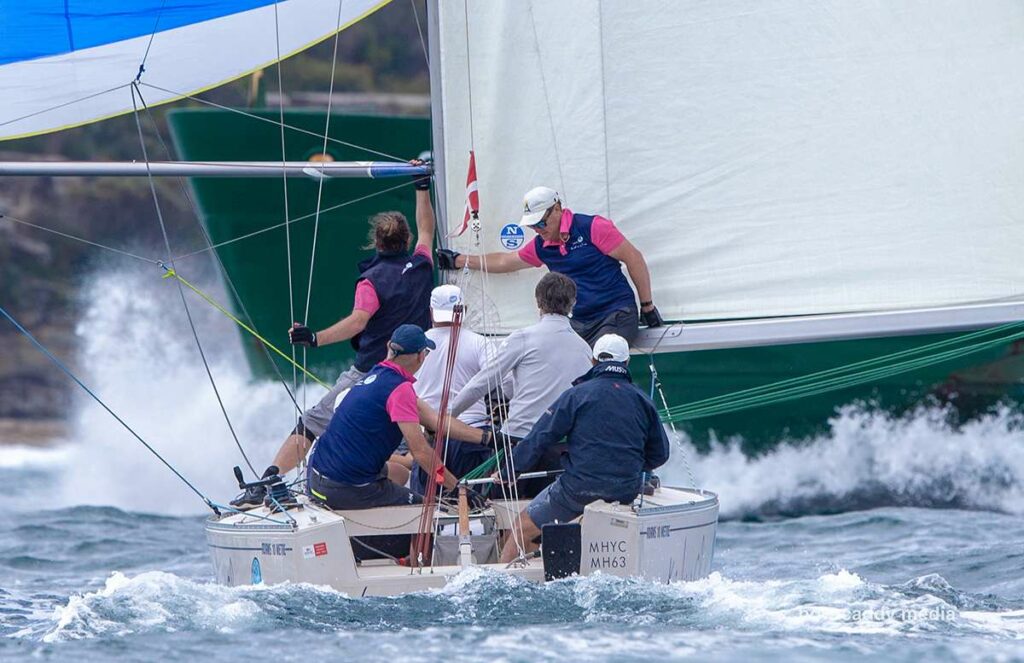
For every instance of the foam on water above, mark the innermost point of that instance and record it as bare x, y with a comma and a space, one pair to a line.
835, 603
138, 354
869, 459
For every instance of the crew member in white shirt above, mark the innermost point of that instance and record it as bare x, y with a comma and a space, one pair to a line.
471, 357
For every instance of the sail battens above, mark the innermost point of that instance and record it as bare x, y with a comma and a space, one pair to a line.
812, 329
57, 88
769, 159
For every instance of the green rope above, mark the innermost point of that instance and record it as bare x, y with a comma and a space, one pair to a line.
486, 467
845, 376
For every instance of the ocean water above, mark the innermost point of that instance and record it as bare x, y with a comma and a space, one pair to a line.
901, 539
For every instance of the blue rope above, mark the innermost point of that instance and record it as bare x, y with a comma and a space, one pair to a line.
96, 398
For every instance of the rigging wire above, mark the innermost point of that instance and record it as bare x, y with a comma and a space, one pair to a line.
304, 217
253, 116
320, 187
59, 364
512, 490
287, 225
79, 239
181, 289
149, 44
66, 103
547, 100
265, 345
419, 29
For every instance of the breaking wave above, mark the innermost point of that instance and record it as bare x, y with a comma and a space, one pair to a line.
870, 459
577, 612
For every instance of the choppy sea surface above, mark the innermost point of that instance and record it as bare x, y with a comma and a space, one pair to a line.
901, 539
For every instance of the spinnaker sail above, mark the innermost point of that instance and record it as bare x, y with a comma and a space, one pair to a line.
769, 159
64, 63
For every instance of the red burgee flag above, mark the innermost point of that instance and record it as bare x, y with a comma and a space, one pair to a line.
472, 196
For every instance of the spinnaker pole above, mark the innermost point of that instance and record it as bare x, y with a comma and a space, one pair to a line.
314, 169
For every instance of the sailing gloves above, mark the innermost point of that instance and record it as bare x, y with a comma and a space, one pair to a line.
652, 318
302, 335
446, 259
421, 182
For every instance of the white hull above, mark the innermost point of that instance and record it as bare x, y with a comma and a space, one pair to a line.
670, 537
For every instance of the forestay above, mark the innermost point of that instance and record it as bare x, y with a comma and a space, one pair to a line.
69, 62
770, 159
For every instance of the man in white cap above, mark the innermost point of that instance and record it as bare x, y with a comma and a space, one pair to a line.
613, 436
471, 357
590, 250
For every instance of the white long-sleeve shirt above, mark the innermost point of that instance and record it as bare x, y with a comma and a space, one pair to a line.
470, 358
542, 359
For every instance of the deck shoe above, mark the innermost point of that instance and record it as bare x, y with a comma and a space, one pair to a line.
254, 495
250, 499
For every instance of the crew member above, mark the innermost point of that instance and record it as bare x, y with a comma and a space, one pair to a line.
393, 288
348, 468
613, 435
542, 361
472, 355
589, 250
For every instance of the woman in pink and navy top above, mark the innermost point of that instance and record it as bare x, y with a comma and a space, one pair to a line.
588, 249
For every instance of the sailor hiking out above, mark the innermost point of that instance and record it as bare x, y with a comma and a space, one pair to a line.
536, 364
613, 435
349, 466
393, 288
587, 248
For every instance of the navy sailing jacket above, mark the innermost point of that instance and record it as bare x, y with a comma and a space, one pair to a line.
601, 287
403, 283
612, 432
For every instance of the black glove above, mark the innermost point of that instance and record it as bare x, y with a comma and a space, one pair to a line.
475, 500
302, 335
272, 470
652, 318
421, 182
446, 258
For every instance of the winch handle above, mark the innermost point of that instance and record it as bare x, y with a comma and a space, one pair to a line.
262, 482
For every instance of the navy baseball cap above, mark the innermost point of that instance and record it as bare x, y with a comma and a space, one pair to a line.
409, 339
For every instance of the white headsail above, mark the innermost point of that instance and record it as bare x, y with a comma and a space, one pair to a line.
770, 159
66, 64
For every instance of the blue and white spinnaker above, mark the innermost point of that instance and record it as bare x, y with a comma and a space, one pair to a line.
64, 63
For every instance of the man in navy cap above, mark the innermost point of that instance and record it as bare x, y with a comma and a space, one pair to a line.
349, 465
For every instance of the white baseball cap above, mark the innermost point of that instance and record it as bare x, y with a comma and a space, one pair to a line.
537, 200
443, 299
611, 347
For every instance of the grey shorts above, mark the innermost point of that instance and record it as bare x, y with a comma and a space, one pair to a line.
382, 492
552, 504
315, 419
625, 322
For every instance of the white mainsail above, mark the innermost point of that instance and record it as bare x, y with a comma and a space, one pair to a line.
769, 159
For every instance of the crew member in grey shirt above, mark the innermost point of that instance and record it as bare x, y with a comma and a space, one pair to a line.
542, 361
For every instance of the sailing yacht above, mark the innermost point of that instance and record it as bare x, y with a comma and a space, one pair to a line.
794, 174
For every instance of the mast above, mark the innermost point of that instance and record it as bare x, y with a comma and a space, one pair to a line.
437, 117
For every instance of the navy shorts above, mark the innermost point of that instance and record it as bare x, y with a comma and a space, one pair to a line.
382, 492
552, 504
